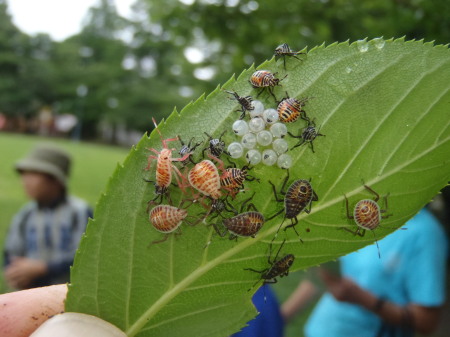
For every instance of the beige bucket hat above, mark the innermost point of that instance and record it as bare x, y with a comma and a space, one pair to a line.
47, 159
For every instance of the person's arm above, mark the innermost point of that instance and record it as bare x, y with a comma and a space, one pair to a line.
302, 295
15, 242
420, 318
14, 248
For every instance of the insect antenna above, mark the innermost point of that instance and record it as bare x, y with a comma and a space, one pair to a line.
156, 128
376, 242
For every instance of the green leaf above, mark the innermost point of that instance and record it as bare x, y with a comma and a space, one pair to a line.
384, 108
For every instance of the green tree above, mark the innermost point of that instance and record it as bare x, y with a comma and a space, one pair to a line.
93, 60
231, 33
14, 98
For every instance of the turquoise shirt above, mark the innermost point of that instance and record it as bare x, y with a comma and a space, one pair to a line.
412, 269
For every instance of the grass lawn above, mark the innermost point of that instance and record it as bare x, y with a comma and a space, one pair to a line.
93, 164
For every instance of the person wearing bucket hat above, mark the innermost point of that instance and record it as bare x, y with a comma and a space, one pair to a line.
47, 159
44, 234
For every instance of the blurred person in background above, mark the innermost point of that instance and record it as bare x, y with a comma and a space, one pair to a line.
44, 234
399, 294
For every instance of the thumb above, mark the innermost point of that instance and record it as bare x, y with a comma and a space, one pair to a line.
24, 311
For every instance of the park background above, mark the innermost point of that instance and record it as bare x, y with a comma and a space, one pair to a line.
95, 92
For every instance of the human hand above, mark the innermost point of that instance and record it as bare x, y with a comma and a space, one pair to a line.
37, 312
343, 289
24, 311
22, 271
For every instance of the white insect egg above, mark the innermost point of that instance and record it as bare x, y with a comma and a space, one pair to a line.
284, 161
253, 157
269, 157
258, 109
264, 138
236, 150
270, 116
240, 127
248, 140
256, 124
279, 130
280, 146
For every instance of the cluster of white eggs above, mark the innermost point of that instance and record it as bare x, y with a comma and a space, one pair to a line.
261, 138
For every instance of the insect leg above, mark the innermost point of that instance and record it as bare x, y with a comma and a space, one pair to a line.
271, 92
221, 234
159, 241
282, 190
294, 222
256, 271
276, 214
255, 282
278, 252
299, 144
242, 116
386, 207
312, 147
359, 231
349, 216
275, 192
229, 207
377, 196
303, 115
221, 165
155, 200
149, 160
314, 195
294, 136
245, 203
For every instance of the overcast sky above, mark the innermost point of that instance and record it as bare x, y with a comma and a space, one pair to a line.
58, 18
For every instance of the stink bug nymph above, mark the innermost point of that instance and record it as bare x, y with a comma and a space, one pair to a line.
308, 135
367, 214
244, 101
216, 146
167, 219
164, 168
218, 206
246, 224
205, 178
262, 79
278, 267
187, 148
290, 109
233, 179
284, 50
298, 197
